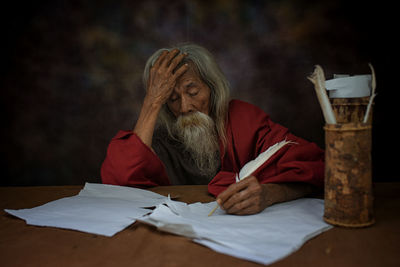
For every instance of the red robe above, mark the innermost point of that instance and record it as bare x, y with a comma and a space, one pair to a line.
129, 162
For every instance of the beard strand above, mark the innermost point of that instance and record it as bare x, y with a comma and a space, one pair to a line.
197, 133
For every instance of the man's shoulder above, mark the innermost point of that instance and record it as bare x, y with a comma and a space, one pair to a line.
242, 108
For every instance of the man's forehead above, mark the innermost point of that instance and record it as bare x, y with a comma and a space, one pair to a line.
190, 75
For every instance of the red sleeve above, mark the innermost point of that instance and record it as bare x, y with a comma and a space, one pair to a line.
250, 132
129, 162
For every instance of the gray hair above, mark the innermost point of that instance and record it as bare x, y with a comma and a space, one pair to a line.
211, 75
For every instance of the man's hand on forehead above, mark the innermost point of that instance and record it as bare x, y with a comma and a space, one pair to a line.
162, 78
161, 82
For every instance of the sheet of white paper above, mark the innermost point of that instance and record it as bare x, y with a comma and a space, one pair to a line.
98, 209
264, 238
140, 198
349, 87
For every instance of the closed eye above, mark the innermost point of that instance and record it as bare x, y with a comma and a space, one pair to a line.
193, 93
191, 89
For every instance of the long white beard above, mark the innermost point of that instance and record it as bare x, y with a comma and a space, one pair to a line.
197, 133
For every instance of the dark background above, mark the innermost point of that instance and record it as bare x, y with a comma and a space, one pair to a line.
71, 71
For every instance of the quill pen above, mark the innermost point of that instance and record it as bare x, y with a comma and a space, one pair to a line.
318, 79
251, 166
371, 100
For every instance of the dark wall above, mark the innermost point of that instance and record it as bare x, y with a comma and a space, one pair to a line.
71, 71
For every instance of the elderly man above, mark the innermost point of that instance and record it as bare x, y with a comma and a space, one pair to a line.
188, 132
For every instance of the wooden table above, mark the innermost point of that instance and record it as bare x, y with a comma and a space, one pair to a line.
142, 245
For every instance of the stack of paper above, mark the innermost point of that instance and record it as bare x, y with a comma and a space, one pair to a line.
98, 209
264, 238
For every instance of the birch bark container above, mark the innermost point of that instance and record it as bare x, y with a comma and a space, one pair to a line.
350, 109
348, 181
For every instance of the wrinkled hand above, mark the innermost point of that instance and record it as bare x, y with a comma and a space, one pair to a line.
162, 79
245, 197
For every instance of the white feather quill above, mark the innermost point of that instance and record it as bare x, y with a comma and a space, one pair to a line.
250, 167
318, 79
371, 99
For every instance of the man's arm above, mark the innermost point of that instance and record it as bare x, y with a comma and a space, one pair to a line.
162, 80
130, 160
249, 196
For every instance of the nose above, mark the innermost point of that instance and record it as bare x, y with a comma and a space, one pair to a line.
186, 106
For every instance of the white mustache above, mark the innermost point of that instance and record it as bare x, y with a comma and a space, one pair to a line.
194, 119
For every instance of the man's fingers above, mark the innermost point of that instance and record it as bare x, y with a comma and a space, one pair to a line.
182, 69
230, 191
236, 198
167, 62
168, 58
233, 194
174, 66
249, 205
244, 197
236, 187
160, 59
239, 206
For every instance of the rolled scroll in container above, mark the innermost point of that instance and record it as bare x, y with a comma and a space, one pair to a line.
348, 181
